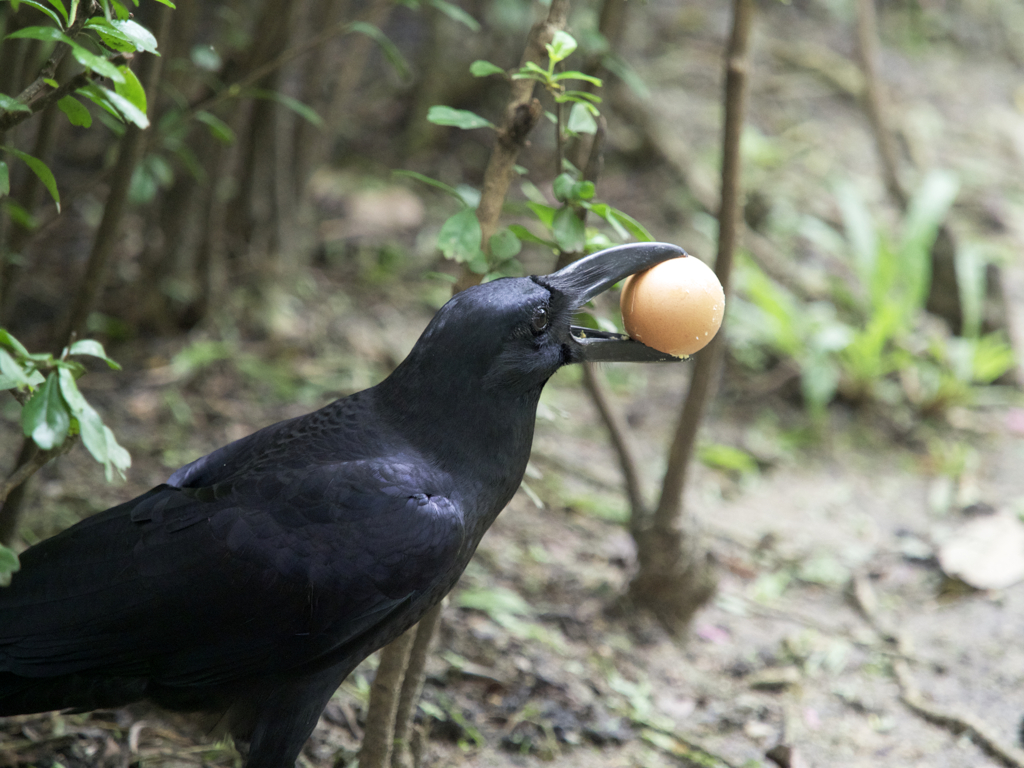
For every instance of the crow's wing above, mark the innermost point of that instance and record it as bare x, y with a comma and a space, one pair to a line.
201, 587
338, 430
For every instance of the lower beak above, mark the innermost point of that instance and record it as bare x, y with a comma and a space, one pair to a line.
594, 274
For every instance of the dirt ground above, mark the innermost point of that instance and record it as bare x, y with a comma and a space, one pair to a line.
831, 608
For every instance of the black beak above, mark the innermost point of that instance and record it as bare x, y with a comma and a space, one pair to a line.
594, 274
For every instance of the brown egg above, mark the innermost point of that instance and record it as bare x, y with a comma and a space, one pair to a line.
674, 307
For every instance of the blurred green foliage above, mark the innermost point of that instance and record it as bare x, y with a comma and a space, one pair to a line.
870, 341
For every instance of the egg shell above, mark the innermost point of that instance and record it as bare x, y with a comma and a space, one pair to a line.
674, 307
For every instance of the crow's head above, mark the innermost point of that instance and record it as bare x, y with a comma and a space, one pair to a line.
512, 334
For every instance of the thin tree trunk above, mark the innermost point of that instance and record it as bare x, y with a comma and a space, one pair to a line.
133, 146
674, 577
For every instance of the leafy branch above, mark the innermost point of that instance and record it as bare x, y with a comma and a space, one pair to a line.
53, 407
461, 238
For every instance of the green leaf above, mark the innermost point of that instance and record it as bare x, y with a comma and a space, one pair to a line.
142, 38
48, 11
574, 75
860, 231
388, 48
5, 179
45, 417
455, 13
7, 340
98, 64
432, 182
110, 35
76, 112
10, 104
460, 118
623, 224
43, 34
928, 209
819, 380
583, 190
527, 236
925, 213
118, 459
634, 227
132, 90
120, 11
11, 373
605, 212
98, 439
494, 601
568, 190
19, 214
561, 46
115, 104
92, 348
727, 457
469, 195
568, 230
220, 130
481, 68
304, 111
9, 563
460, 236
580, 120
168, 3
41, 170
531, 71
15, 373
545, 213
971, 267
73, 396
62, 10
504, 245
992, 357
562, 186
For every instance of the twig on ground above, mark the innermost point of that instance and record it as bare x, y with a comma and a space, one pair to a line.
959, 723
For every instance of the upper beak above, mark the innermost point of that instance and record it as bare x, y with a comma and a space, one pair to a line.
591, 275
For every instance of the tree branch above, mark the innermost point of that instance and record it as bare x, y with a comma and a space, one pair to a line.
874, 99
132, 149
30, 95
521, 115
729, 220
31, 461
617, 435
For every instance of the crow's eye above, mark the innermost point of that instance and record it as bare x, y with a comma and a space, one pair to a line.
540, 320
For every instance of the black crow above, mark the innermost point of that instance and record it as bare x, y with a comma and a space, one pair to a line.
253, 581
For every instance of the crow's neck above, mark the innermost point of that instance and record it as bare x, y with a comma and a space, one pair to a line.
465, 428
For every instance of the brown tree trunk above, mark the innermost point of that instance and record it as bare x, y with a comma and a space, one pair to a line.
675, 577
